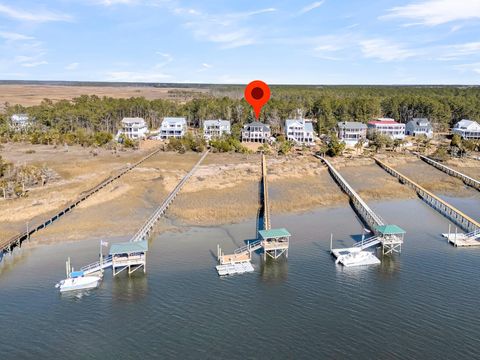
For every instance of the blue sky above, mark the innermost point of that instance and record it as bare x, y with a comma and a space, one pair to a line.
214, 41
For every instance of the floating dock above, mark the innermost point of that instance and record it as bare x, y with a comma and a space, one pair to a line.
8, 245
464, 221
390, 237
465, 178
463, 240
273, 242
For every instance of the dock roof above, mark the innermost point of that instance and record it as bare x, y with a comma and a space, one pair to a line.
390, 229
129, 247
274, 233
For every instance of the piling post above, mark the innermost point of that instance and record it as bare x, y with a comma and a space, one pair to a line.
331, 241
449, 227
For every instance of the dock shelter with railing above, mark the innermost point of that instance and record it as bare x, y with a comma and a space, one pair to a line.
391, 238
275, 242
129, 256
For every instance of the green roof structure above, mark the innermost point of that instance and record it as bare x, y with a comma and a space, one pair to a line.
390, 230
129, 247
274, 233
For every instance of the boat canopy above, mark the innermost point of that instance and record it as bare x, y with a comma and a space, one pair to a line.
129, 247
75, 274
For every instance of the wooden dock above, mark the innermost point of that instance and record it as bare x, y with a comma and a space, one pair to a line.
130, 255
273, 242
466, 179
8, 245
464, 221
390, 237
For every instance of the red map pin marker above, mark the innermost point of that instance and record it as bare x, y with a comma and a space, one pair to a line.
257, 94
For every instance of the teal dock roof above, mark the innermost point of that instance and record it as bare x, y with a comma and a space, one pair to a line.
129, 247
390, 229
274, 233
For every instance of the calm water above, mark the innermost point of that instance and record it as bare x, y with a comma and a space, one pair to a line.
420, 304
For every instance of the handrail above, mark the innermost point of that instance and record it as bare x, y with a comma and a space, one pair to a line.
251, 245
147, 226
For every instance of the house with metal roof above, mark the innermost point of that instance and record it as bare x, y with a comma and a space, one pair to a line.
388, 127
215, 128
256, 132
133, 128
351, 132
173, 127
467, 129
299, 131
419, 127
129, 256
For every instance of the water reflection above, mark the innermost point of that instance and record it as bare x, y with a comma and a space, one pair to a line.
274, 271
129, 288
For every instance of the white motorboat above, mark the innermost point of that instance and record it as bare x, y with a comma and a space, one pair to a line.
78, 281
356, 257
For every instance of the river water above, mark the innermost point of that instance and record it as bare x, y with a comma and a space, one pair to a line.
422, 304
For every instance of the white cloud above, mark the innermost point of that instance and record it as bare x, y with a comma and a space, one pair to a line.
207, 66
134, 76
385, 50
474, 67
311, 7
229, 30
14, 36
72, 66
436, 12
115, 2
453, 52
167, 59
38, 16
34, 64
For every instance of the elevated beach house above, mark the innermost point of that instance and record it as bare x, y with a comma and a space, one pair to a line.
467, 129
386, 126
173, 127
133, 128
350, 132
19, 121
215, 128
299, 131
256, 132
419, 127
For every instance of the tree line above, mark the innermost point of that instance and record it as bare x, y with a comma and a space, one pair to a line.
325, 105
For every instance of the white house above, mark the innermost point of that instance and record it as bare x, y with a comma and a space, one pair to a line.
19, 121
215, 128
387, 126
256, 132
351, 132
175, 127
133, 128
418, 127
467, 129
299, 131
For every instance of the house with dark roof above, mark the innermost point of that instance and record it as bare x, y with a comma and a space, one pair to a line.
419, 127
351, 132
256, 132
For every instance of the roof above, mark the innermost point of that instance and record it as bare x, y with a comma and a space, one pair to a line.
464, 124
352, 125
257, 123
307, 125
390, 229
129, 247
384, 122
174, 120
127, 120
274, 233
215, 122
420, 121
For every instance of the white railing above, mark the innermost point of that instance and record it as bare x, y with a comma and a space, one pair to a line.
368, 243
106, 262
251, 246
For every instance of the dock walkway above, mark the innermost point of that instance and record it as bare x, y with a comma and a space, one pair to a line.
444, 208
465, 178
7, 245
142, 234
